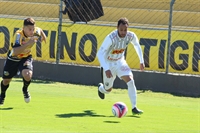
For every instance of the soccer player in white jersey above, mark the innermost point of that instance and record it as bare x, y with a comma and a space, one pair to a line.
111, 58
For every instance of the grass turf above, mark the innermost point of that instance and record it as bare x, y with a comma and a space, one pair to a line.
67, 108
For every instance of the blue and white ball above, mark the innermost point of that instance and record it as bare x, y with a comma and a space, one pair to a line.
119, 109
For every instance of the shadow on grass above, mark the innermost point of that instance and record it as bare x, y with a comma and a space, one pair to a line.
35, 81
111, 121
135, 116
9, 108
83, 114
119, 118
89, 113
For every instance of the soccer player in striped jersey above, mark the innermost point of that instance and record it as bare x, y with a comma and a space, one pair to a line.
113, 63
19, 58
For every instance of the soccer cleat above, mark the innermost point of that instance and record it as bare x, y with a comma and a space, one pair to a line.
101, 95
136, 111
2, 98
27, 96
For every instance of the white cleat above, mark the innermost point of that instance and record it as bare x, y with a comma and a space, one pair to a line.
27, 100
27, 97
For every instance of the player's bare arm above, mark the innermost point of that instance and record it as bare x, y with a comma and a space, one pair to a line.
43, 36
20, 49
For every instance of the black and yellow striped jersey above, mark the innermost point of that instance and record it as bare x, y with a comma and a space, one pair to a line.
18, 40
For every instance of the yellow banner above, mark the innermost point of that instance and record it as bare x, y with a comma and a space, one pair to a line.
80, 43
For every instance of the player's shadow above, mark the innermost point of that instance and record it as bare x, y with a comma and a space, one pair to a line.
9, 108
135, 116
85, 113
111, 121
35, 81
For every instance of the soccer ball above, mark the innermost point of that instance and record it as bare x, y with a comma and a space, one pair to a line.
119, 109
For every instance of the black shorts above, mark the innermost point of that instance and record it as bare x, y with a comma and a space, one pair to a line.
12, 67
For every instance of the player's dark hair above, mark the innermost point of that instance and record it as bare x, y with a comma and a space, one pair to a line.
123, 21
29, 21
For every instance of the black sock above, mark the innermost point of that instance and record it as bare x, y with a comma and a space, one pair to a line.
3, 88
26, 84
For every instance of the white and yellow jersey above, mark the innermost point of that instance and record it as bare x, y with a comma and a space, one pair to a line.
113, 48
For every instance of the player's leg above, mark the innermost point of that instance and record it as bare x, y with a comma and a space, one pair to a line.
4, 87
106, 86
9, 71
100, 86
132, 92
126, 74
26, 69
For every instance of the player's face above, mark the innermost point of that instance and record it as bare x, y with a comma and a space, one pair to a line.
29, 30
122, 30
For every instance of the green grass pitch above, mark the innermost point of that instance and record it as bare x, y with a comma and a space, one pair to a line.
67, 108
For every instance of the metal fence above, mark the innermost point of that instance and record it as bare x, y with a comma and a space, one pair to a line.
168, 31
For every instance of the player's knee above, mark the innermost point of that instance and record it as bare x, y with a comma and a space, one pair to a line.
27, 74
6, 81
109, 90
131, 83
127, 78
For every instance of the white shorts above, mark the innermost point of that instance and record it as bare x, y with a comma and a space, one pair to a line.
119, 68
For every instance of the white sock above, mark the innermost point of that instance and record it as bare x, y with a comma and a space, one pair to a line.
132, 92
102, 89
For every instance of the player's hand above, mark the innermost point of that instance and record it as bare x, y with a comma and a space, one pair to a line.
31, 42
109, 74
142, 66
